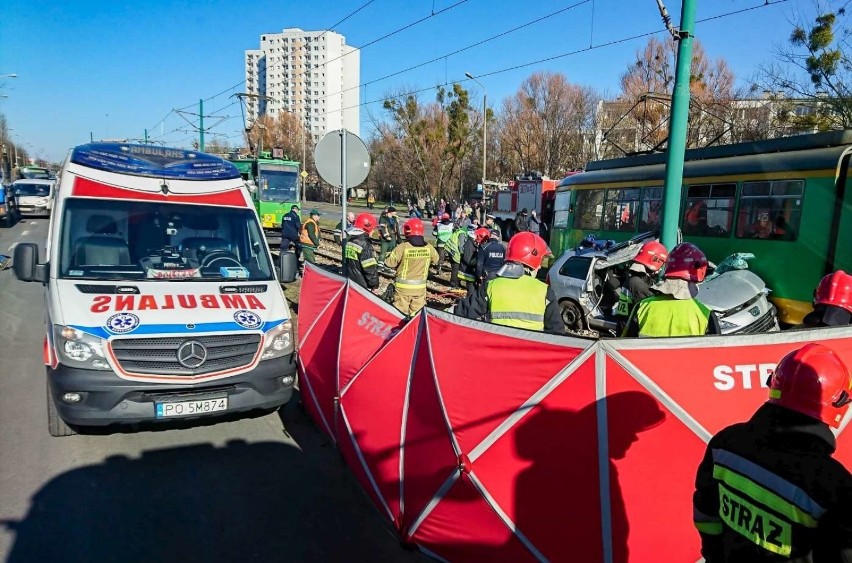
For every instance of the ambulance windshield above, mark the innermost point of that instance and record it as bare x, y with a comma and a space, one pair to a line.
130, 240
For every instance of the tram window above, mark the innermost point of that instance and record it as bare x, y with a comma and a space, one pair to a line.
561, 210
652, 209
709, 210
770, 210
589, 210
621, 207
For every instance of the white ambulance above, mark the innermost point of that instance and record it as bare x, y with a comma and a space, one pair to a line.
162, 299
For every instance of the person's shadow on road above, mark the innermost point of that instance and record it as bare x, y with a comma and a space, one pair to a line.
265, 501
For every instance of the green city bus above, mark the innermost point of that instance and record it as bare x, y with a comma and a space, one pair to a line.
787, 201
274, 185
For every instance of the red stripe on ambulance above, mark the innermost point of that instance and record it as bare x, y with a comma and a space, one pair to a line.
83, 187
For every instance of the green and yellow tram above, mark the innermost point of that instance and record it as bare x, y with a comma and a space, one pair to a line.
274, 183
787, 201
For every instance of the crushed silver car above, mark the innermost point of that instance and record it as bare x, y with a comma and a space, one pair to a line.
579, 280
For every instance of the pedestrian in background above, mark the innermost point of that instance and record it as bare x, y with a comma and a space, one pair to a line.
768, 489
534, 223
521, 223
339, 229
388, 232
291, 229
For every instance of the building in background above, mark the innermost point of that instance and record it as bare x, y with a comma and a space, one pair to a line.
312, 74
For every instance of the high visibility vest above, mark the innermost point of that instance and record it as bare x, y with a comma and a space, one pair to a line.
304, 237
517, 302
661, 315
455, 243
625, 302
443, 231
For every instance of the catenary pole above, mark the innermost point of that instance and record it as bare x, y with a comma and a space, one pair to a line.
677, 126
201, 125
343, 196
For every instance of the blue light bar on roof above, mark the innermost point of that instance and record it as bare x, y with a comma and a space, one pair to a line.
153, 161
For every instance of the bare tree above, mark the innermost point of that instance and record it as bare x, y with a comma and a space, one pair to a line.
425, 144
814, 68
546, 125
638, 119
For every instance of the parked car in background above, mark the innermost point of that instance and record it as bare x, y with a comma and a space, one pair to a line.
579, 280
33, 198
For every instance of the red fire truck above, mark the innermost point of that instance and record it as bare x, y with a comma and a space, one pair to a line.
531, 191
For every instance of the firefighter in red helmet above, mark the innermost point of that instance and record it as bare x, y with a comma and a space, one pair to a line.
637, 282
768, 489
674, 310
411, 259
361, 265
515, 297
832, 301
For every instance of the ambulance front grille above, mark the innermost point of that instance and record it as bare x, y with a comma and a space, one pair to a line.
159, 356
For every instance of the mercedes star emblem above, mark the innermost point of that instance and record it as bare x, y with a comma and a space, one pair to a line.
191, 354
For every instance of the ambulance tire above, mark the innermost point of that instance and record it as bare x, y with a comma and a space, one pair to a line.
55, 425
572, 315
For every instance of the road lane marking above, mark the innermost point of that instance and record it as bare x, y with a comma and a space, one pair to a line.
11, 248
24, 233
33, 223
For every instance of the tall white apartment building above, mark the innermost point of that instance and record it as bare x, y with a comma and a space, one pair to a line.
312, 74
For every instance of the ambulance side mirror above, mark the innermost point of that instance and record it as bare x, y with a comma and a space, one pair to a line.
25, 263
288, 266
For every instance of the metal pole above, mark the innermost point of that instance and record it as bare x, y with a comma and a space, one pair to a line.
677, 128
201, 125
146, 136
343, 194
304, 163
484, 145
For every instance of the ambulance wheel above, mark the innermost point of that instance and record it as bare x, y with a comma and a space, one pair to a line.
55, 425
572, 315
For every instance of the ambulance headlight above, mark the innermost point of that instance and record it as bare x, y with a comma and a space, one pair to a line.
279, 341
78, 349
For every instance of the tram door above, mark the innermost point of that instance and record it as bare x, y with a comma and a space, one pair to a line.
843, 209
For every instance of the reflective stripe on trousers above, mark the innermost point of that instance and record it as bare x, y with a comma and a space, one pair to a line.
410, 284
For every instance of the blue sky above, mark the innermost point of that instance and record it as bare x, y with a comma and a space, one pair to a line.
113, 69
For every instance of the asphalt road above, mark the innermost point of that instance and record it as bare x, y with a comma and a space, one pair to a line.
267, 488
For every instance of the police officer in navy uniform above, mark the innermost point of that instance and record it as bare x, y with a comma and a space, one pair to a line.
490, 257
291, 228
768, 489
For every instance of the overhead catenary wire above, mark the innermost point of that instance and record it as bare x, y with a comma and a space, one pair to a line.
463, 49
765, 4
370, 43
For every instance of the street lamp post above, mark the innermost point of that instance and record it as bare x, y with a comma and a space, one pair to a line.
484, 126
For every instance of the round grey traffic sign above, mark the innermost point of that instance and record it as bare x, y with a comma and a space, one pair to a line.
328, 157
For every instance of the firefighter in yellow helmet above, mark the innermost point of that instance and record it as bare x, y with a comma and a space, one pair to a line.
411, 259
